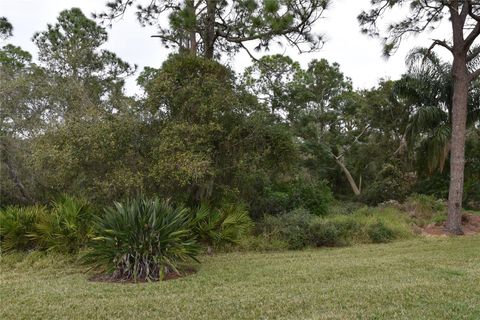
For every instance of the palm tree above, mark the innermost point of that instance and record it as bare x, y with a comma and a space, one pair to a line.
428, 89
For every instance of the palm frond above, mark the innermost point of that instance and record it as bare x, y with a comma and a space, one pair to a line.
142, 239
16, 226
221, 226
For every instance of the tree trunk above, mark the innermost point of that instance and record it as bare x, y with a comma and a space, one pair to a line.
353, 184
209, 37
193, 43
461, 84
193, 33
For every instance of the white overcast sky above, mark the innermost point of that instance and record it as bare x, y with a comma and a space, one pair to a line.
359, 56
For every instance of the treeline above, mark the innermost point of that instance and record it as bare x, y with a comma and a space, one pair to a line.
276, 138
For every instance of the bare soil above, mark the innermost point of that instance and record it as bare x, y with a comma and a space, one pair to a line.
470, 224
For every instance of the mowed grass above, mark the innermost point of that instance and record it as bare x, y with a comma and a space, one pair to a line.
425, 278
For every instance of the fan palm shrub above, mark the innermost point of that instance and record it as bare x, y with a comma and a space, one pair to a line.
17, 224
66, 228
218, 227
142, 240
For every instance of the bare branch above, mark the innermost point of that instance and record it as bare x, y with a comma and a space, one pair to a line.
441, 43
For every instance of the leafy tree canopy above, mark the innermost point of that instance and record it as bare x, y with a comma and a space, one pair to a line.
6, 28
212, 27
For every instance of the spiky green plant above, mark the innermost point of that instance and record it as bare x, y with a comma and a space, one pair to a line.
221, 226
17, 225
142, 240
66, 228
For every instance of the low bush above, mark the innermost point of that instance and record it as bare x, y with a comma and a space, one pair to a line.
424, 209
218, 227
312, 195
291, 228
366, 225
273, 202
344, 207
315, 196
374, 220
440, 218
378, 232
142, 240
66, 227
389, 184
17, 224
326, 233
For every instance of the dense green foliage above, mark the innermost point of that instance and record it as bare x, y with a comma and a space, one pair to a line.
277, 138
281, 156
142, 240
17, 225
204, 161
300, 229
64, 226
226, 225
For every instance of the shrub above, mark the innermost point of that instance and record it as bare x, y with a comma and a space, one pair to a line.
424, 209
273, 202
326, 233
389, 184
17, 224
335, 230
222, 226
438, 219
142, 240
344, 207
312, 195
300, 211
378, 232
291, 228
436, 185
66, 227
472, 192
382, 225
365, 225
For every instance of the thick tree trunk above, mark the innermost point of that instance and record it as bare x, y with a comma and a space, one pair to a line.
461, 83
356, 190
209, 37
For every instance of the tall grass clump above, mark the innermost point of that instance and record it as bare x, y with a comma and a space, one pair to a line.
142, 240
373, 225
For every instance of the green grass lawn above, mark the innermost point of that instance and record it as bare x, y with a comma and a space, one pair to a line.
416, 279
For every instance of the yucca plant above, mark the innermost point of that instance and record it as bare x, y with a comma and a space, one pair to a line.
66, 227
221, 226
142, 240
17, 224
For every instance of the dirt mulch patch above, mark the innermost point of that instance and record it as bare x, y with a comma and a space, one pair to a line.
470, 224
113, 279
